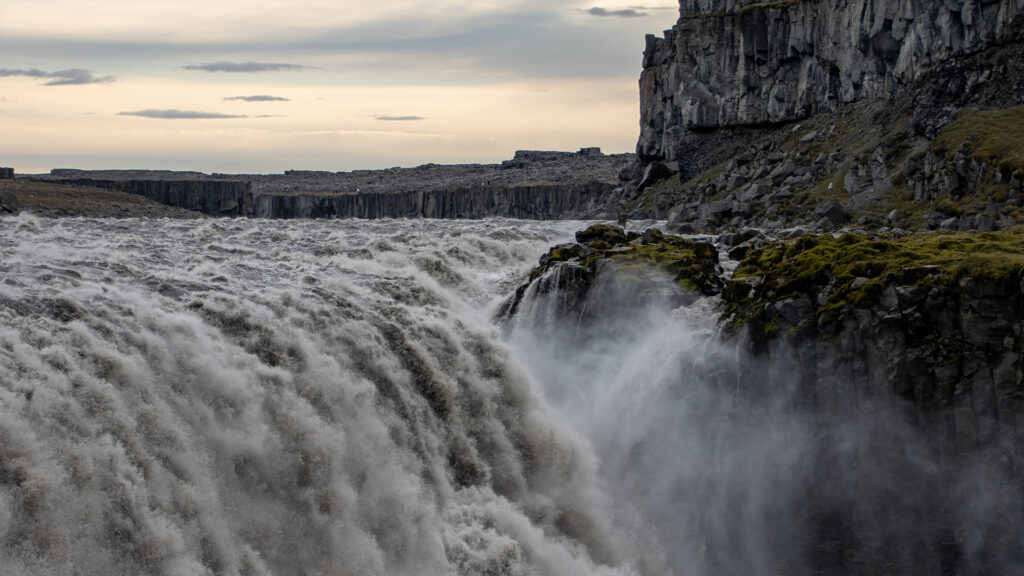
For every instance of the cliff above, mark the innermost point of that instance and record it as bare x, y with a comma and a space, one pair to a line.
537, 202
212, 197
736, 63
892, 366
831, 100
534, 184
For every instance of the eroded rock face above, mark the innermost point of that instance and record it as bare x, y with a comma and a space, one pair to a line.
537, 202
883, 376
736, 62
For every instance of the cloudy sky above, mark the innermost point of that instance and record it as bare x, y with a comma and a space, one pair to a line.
266, 86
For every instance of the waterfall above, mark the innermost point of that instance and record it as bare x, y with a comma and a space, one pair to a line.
735, 464
334, 397
242, 397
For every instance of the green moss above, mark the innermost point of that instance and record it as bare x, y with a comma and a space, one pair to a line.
948, 207
654, 256
993, 136
563, 253
612, 235
854, 270
690, 264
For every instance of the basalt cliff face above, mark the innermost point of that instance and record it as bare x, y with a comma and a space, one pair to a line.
869, 89
534, 184
736, 63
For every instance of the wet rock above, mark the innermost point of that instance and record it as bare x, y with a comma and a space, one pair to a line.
9, 202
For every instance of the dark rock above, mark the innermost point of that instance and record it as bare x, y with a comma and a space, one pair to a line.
654, 173
715, 211
9, 202
833, 211
684, 228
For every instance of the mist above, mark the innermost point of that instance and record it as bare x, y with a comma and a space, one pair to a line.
740, 464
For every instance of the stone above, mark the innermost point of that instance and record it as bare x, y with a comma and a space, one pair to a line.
809, 137
983, 223
833, 211
736, 180
9, 202
654, 173
717, 210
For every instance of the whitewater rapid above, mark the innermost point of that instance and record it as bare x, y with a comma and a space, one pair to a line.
284, 397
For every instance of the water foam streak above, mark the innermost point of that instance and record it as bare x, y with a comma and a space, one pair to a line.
236, 397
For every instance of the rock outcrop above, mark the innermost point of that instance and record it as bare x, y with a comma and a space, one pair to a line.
759, 114
903, 360
650, 266
737, 63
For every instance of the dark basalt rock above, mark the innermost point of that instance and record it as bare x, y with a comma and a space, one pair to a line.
906, 356
535, 184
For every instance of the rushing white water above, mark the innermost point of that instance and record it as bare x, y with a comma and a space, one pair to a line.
283, 397
333, 397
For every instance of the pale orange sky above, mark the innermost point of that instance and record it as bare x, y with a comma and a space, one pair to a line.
261, 86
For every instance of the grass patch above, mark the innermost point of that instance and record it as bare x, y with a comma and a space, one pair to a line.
853, 269
993, 136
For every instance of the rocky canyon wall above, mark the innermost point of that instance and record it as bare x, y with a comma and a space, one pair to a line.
729, 63
537, 202
212, 197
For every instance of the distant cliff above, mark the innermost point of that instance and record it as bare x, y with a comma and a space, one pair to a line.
536, 202
212, 197
534, 184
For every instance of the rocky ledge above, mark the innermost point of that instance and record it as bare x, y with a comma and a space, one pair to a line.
651, 266
906, 355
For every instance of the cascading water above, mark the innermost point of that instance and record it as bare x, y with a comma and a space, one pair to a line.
265, 397
313, 397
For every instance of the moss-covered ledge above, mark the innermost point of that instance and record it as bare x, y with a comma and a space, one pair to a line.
832, 276
691, 264
647, 261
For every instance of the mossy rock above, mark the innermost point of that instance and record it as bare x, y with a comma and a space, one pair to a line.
613, 235
853, 271
992, 136
692, 266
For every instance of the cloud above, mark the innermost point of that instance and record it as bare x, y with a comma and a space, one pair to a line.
257, 98
627, 13
179, 114
69, 77
389, 118
244, 67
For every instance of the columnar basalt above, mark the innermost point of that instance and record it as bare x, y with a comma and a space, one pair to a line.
737, 62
